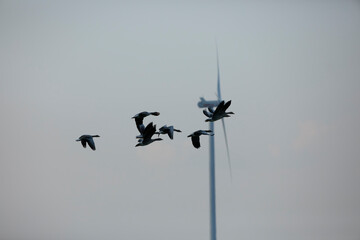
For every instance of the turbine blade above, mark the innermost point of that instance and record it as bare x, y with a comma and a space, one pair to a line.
227, 147
218, 73
219, 99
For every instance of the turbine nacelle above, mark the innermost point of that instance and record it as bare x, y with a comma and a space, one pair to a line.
206, 104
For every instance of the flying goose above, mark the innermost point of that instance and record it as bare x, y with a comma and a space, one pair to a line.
169, 130
89, 140
147, 134
219, 112
195, 136
139, 121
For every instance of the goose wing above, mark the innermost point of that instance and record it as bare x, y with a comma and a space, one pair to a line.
227, 105
163, 129
171, 132
139, 124
149, 131
195, 141
219, 107
206, 113
83, 142
141, 128
91, 143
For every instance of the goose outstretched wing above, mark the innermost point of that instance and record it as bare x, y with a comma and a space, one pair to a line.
91, 143
219, 107
149, 131
171, 132
206, 113
195, 141
227, 105
83, 142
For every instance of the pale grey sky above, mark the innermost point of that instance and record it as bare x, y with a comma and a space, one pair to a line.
72, 68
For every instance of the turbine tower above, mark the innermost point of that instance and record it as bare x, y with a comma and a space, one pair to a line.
205, 104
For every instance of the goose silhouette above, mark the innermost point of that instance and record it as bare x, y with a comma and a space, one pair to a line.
219, 112
89, 140
139, 118
147, 134
195, 136
169, 130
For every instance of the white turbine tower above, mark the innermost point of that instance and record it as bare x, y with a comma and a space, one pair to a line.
205, 104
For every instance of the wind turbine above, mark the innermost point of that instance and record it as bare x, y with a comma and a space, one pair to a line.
205, 104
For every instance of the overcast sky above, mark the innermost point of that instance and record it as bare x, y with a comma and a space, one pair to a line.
292, 71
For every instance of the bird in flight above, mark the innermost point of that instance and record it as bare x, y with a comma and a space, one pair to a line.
169, 130
89, 140
139, 121
147, 134
218, 113
195, 136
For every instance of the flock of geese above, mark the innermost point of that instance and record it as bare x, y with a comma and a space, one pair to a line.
146, 133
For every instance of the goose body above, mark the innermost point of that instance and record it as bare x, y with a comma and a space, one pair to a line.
89, 140
195, 136
169, 130
218, 113
139, 118
147, 134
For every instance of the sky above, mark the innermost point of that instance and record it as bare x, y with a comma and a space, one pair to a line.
69, 68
